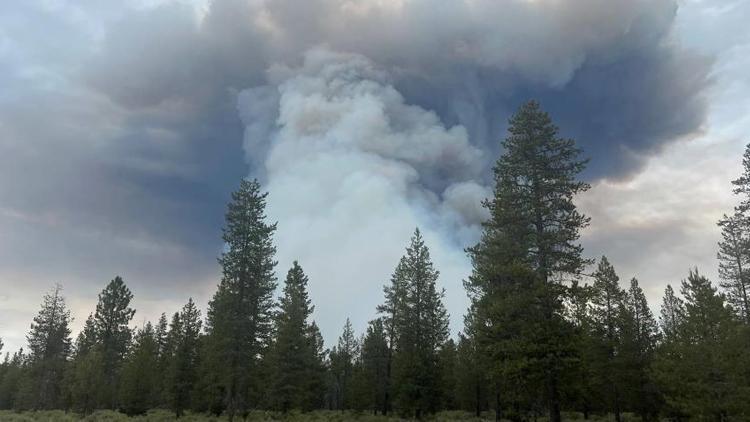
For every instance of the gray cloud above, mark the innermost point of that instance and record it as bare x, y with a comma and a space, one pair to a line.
134, 123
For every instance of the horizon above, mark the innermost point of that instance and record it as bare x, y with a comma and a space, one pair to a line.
117, 156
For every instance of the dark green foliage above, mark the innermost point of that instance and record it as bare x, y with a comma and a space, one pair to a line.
421, 330
341, 368
471, 376
607, 310
240, 315
528, 248
672, 314
49, 348
181, 347
13, 369
140, 373
585, 395
734, 263
111, 319
85, 378
370, 378
638, 340
295, 357
698, 367
447, 359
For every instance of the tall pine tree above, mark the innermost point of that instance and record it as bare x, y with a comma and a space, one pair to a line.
734, 262
240, 315
140, 382
111, 319
531, 241
49, 349
422, 330
183, 348
639, 336
297, 372
608, 302
341, 365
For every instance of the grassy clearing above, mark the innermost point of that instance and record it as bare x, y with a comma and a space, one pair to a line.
261, 416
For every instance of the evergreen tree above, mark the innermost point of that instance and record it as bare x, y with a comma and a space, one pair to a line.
639, 335
471, 377
375, 357
697, 366
391, 310
85, 379
49, 349
111, 319
239, 319
161, 332
182, 347
742, 183
342, 359
140, 382
529, 246
422, 329
447, 370
608, 301
14, 369
734, 262
297, 370
671, 315
586, 393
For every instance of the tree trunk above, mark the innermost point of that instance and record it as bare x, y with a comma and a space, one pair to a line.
478, 396
498, 410
618, 417
554, 398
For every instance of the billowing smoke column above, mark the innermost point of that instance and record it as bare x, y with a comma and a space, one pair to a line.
395, 120
352, 170
367, 118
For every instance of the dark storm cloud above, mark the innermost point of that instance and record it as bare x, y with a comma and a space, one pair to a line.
121, 135
608, 72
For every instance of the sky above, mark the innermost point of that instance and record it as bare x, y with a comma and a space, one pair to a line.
124, 127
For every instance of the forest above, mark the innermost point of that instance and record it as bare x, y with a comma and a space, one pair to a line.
550, 334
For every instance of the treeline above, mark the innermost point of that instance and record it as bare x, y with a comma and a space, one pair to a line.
543, 333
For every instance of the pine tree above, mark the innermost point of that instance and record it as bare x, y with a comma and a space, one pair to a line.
111, 319
182, 347
471, 376
239, 319
391, 310
342, 358
671, 315
85, 380
529, 246
422, 329
49, 349
140, 382
742, 183
734, 262
532, 235
375, 357
447, 371
586, 393
297, 370
14, 369
697, 368
161, 331
639, 336
608, 301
